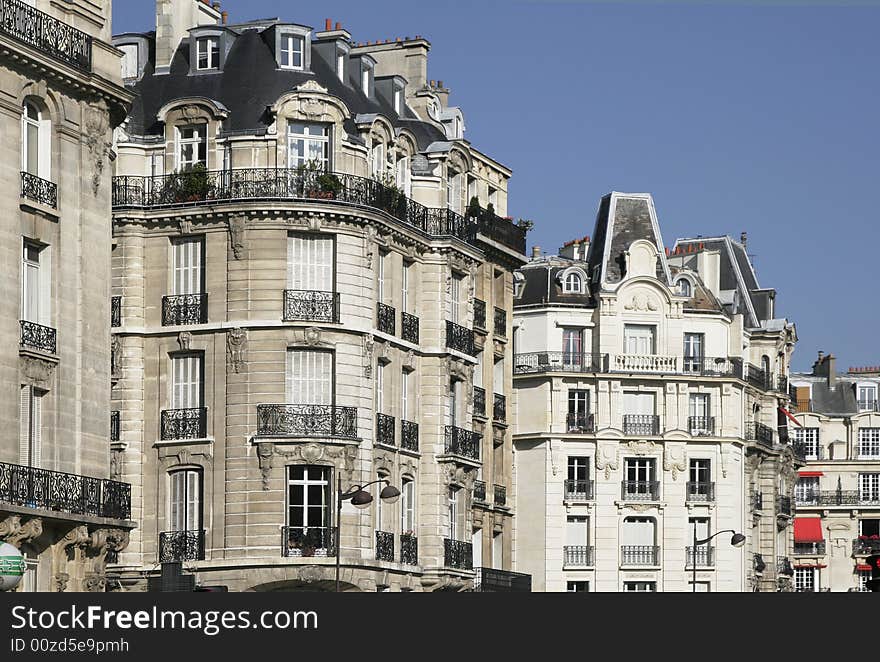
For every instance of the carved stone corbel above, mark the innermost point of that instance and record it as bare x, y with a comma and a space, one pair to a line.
236, 348
96, 124
237, 225
64, 551
36, 372
674, 460
15, 533
369, 345
607, 458
265, 451
184, 338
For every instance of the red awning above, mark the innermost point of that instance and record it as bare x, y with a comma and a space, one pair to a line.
862, 567
791, 417
807, 529
809, 474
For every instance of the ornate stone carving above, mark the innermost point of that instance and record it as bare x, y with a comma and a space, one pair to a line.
94, 583
640, 507
236, 348
607, 459
311, 85
185, 226
641, 448
96, 124
314, 221
641, 301
370, 245
674, 460
237, 235
459, 370
309, 574
724, 460
117, 461
184, 338
369, 345
37, 372
265, 451
190, 113
409, 360
15, 533
61, 579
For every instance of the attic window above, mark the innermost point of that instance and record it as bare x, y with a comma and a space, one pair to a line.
684, 287
129, 60
207, 53
292, 51
366, 72
573, 283
340, 65
398, 93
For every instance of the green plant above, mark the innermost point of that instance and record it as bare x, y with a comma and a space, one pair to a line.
390, 197
526, 224
330, 183
189, 185
474, 210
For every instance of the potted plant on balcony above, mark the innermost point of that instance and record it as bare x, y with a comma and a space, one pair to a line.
474, 210
330, 185
390, 198
189, 185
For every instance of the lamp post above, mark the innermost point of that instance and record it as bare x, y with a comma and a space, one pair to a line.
360, 498
737, 540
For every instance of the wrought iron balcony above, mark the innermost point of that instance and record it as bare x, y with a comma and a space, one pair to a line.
458, 554
783, 566
114, 426
460, 338
384, 546
578, 490
492, 580
479, 402
385, 430
865, 546
308, 541
480, 491
409, 328
640, 490
311, 306
701, 426
115, 311
180, 309
580, 422
828, 498
189, 423
499, 408
868, 405
641, 424
809, 548
710, 366
386, 319
524, 364
297, 420
31, 487
38, 337
783, 505
500, 495
700, 492
578, 555
644, 363
756, 501
409, 436
781, 384
178, 546
500, 323
640, 555
480, 314
705, 557
759, 432
39, 190
46, 34
756, 376
409, 549
464, 443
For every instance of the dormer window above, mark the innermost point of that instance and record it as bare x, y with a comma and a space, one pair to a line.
192, 146
684, 288
366, 76
573, 283
292, 51
129, 61
378, 159
398, 93
207, 53
340, 65
518, 281
867, 397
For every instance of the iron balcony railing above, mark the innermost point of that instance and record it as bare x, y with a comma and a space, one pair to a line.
500, 322
781, 384
809, 548
459, 338
710, 366
480, 314
500, 495
479, 402
46, 34
700, 491
114, 426
39, 190
641, 424
499, 408
701, 426
180, 309
409, 549
385, 425
191, 423
492, 580
783, 505
38, 337
311, 306
409, 328
308, 541
458, 554
115, 311
178, 546
756, 501
464, 443
384, 546
783, 566
32, 487
578, 555
480, 491
639, 555
756, 376
299, 420
578, 490
199, 186
868, 405
640, 490
759, 432
866, 545
580, 421
828, 498
386, 319
409, 436
524, 364
705, 556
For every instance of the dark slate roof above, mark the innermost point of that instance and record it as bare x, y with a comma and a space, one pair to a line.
826, 400
542, 285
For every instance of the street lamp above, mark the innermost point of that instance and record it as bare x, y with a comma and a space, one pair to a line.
737, 540
360, 499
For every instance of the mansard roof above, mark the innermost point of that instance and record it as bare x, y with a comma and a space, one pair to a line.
542, 284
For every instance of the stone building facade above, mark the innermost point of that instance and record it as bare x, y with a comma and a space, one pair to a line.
309, 301
61, 95
649, 384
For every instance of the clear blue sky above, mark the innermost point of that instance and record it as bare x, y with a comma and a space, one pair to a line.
736, 116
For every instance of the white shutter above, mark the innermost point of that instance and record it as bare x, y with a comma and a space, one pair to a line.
193, 494
404, 395
186, 390
187, 266
407, 508
37, 430
177, 497
577, 531
497, 551
310, 263
24, 434
309, 377
380, 388
404, 290
30, 427
477, 546
380, 294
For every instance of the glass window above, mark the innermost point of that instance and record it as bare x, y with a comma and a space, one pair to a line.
638, 339
806, 580
31, 427
699, 414
340, 65
572, 346
578, 409
34, 154
292, 51
640, 587
401, 177
869, 443
700, 470
684, 287
693, 352
308, 145
187, 265
453, 507
806, 489
308, 500
310, 261
867, 398
207, 53
408, 507
377, 159
192, 146
578, 468
397, 96
129, 60
365, 77
453, 190
34, 302
309, 377
869, 487
577, 587
185, 509
808, 439
186, 381
573, 283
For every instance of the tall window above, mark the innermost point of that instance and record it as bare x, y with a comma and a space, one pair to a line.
684, 287
380, 388
398, 93
187, 265
700, 526
35, 152
186, 381
292, 51
806, 580
578, 409
572, 346
185, 511
207, 53
455, 298
869, 443
340, 65
129, 60
699, 413
309, 377
638, 339
308, 144
453, 190
700, 471
308, 496
808, 438
404, 286
452, 415
408, 506
577, 532
867, 398
497, 551
577, 587
34, 297
192, 146
694, 347
869, 487
578, 473
366, 72
31, 425
640, 470
806, 489
377, 159
381, 265
453, 510
310, 263
402, 178
404, 395
638, 404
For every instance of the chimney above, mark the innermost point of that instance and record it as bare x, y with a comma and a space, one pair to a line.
174, 18
225, 15
743, 238
832, 373
536, 252
328, 24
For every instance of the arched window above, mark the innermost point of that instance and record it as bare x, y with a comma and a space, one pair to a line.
684, 287
573, 283
765, 365
34, 141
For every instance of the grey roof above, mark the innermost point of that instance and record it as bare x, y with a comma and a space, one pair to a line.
542, 284
826, 400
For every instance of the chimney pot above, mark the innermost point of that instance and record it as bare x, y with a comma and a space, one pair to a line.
536, 252
338, 25
440, 84
225, 16
327, 24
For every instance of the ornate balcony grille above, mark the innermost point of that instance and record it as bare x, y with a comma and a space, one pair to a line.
524, 364
115, 311
863, 546
38, 337
295, 420
831, 498
409, 436
39, 190
46, 34
492, 580
809, 548
177, 546
308, 541
114, 426
500, 323
578, 490
783, 505
640, 490
386, 320
759, 432
701, 426
384, 546
480, 314
311, 306
705, 556
757, 501
480, 491
700, 491
458, 554
184, 423
409, 549
479, 402
499, 408
409, 328
180, 309
500, 495
385, 430
756, 376
459, 338
63, 492
578, 555
580, 422
639, 555
464, 443
710, 366
641, 424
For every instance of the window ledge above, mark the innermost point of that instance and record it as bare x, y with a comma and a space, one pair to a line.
159, 443
460, 459
26, 204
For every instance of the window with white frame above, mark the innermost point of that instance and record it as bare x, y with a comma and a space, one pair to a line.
308, 145
573, 283
308, 502
806, 490
640, 475
340, 64
684, 287
192, 146
377, 159
453, 190
497, 551
35, 295
806, 580
869, 487
453, 403
867, 397
638, 404
577, 587
398, 100
808, 439
381, 267
638, 339
292, 51
640, 587
405, 286
207, 53
309, 377
187, 265
577, 539
405, 405
30, 444
699, 587
572, 346
186, 381
699, 414
185, 500
380, 388
694, 347
401, 177
408, 506
454, 510
310, 263
35, 141
578, 409
455, 298
366, 74
577, 484
863, 579
869, 443
477, 548
129, 60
